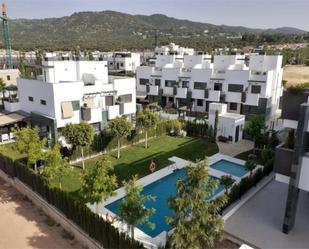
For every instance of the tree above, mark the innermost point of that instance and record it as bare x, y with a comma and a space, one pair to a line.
255, 128
98, 183
227, 181
216, 123
79, 135
132, 208
2, 90
147, 120
250, 165
55, 167
28, 142
119, 128
197, 221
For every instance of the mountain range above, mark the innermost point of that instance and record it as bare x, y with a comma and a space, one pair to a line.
97, 29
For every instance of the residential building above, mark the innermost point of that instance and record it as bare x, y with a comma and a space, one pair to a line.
248, 84
292, 157
229, 125
123, 61
74, 91
9, 76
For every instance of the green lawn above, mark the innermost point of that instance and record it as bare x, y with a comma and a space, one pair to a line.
245, 155
136, 159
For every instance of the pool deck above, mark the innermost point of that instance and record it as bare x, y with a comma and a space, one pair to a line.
259, 221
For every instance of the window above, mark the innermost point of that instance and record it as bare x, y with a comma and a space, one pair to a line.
233, 106
157, 82
43, 102
185, 84
200, 102
127, 98
200, 85
8, 77
170, 83
75, 105
255, 89
235, 88
218, 86
30, 98
143, 81
121, 64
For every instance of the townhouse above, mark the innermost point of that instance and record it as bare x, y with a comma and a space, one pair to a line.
123, 61
74, 91
248, 84
292, 157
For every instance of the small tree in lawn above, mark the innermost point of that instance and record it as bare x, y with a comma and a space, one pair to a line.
147, 120
255, 128
119, 127
28, 142
79, 135
216, 123
55, 168
250, 165
227, 181
197, 221
2, 90
98, 183
132, 208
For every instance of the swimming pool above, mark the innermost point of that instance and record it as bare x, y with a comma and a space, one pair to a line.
230, 168
161, 190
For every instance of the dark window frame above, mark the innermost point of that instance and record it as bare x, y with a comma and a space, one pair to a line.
200, 85
143, 81
236, 88
31, 99
256, 89
233, 106
43, 102
199, 102
218, 86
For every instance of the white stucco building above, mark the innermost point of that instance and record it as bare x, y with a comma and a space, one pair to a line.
248, 84
123, 61
74, 91
230, 125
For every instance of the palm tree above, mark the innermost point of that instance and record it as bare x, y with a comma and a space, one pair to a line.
227, 181
250, 165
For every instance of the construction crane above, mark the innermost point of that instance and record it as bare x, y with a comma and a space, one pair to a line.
6, 36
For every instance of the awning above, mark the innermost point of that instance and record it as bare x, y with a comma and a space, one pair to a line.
67, 109
141, 95
11, 118
89, 102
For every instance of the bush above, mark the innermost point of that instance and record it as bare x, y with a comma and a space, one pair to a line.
298, 88
79, 213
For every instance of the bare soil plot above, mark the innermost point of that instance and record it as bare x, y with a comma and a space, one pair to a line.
23, 225
296, 74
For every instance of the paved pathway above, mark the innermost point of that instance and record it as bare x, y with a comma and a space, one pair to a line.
23, 225
235, 149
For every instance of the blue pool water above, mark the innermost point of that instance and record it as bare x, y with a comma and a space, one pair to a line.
230, 168
161, 190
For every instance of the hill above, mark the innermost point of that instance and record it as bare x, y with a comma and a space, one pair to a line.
106, 29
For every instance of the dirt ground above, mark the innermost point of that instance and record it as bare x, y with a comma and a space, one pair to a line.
296, 74
23, 225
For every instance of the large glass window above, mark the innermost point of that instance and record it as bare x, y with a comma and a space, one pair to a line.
200, 85
218, 86
170, 83
185, 84
200, 102
255, 89
233, 106
235, 88
143, 81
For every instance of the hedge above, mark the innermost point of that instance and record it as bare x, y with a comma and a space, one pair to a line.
198, 130
92, 224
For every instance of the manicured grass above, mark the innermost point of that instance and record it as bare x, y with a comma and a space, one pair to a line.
136, 159
9, 150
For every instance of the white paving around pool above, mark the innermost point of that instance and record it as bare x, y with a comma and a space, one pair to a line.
177, 163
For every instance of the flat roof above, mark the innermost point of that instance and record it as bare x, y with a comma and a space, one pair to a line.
234, 116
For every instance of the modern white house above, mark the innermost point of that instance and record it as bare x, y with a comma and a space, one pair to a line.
229, 125
74, 91
123, 61
292, 157
248, 84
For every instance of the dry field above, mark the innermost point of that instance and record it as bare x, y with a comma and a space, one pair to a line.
295, 74
24, 226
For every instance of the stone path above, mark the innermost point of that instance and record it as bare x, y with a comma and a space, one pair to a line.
23, 225
235, 149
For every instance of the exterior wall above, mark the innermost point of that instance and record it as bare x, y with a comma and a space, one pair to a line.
227, 127
304, 174
9, 76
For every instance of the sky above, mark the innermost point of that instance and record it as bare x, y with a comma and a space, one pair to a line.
248, 13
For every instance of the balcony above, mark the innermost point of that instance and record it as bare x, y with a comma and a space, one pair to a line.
234, 97
182, 93
168, 91
153, 90
214, 95
156, 72
252, 99
113, 111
